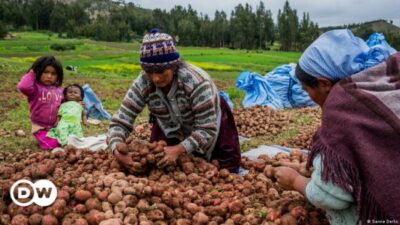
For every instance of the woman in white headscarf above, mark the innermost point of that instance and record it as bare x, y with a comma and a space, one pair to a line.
355, 152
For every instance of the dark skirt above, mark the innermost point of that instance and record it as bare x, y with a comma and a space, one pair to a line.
227, 147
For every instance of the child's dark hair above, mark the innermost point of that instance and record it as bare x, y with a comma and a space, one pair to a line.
74, 85
42, 62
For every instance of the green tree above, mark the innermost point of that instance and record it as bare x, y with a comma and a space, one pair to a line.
205, 31
39, 14
13, 12
162, 19
59, 17
265, 34
307, 33
3, 30
288, 25
243, 27
219, 29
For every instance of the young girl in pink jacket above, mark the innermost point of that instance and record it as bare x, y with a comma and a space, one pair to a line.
42, 87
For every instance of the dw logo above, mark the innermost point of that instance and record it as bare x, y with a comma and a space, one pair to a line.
42, 192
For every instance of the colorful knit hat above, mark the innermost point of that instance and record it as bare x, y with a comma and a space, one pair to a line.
158, 51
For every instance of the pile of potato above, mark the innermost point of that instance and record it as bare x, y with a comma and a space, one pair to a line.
144, 154
93, 189
260, 120
305, 128
302, 140
142, 131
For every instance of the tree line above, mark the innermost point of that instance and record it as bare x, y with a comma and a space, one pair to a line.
106, 20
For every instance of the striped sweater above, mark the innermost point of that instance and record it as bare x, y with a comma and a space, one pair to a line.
189, 112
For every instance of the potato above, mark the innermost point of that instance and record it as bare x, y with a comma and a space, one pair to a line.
155, 214
224, 173
188, 167
115, 197
200, 218
142, 205
35, 219
119, 207
235, 206
288, 219
192, 207
49, 220
237, 218
82, 195
111, 222
61, 194
5, 219
183, 222
79, 208
106, 206
130, 219
130, 200
58, 208
103, 195
93, 203
20, 220
94, 217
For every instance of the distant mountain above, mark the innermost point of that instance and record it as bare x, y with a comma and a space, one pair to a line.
381, 26
364, 30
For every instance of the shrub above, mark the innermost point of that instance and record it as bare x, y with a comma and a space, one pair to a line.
3, 30
62, 47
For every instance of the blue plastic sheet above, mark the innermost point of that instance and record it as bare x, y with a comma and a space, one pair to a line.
379, 39
379, 50
281, 89
287, 87
258, 91
227, 99
93, 106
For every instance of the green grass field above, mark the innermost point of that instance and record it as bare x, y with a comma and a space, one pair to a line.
109, 68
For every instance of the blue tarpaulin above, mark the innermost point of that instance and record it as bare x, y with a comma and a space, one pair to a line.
379, 39
281, 89
379, 51
288, 88
258, 91
278, 89
93, 106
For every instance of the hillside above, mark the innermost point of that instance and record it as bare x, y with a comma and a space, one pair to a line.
381, 26
364, 30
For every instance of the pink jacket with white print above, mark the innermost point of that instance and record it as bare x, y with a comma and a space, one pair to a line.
43, 100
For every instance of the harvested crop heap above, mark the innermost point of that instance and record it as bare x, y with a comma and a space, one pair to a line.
144, 154
260, 120
142, 131
92, 189
307, 130
303, 139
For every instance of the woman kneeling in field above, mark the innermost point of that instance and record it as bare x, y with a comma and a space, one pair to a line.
356, 151
190, 115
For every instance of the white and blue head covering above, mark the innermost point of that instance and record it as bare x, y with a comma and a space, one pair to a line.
337, 54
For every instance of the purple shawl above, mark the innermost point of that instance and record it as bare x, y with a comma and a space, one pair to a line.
359, 140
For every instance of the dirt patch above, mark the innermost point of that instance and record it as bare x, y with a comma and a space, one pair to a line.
8, 101
222, 84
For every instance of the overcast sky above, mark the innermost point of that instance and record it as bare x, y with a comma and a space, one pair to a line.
324, 12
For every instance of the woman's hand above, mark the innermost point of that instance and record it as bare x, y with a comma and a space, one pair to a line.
125, 160
285, 176
171, 155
